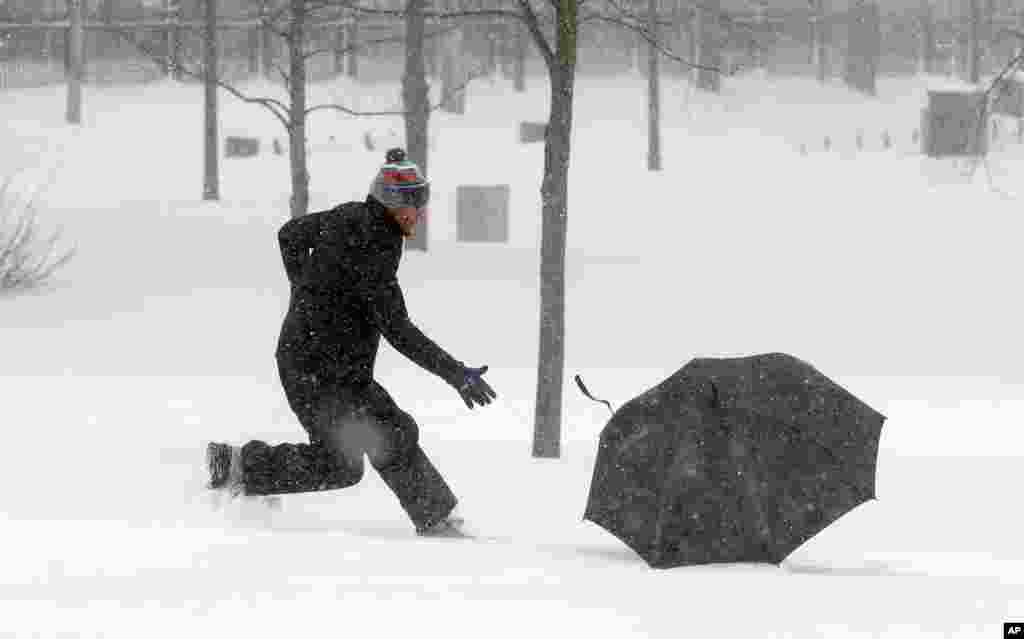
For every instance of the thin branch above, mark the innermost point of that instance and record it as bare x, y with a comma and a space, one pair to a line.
475, 13
593, 15
278, 14
269, 20
729, 20
269, 103
1006, 31
533, 24
646, 35
12, 251
352, 48
724, 18
284, 76
485, 13
482, 72
22, 266
276, 107
279, 32
981, 131
666, 52
312, 53
440, 15
312, 6
527, 15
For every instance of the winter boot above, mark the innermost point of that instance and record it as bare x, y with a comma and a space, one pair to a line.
224, 463
450, 526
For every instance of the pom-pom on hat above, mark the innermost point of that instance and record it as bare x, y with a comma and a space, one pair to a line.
400, 182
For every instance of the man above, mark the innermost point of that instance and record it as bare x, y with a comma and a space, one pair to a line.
342, 265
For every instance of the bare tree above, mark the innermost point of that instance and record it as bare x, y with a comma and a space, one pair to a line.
561, 64
414, 85
553, 25
76, 39
211, 172
653, 93
416, 98
566, 17
926, 44
974, 42
297, 111
821, 38
290, 20
976, 139
26, 260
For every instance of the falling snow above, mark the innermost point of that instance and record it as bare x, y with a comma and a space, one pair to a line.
893, 274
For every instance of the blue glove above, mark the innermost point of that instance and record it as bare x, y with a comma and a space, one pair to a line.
473, 388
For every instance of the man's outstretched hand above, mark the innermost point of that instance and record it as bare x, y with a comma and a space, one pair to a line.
473, 389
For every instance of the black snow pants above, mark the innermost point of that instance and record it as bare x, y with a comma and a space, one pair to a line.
345, 421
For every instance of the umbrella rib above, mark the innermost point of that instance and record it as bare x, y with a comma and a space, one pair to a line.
659, 522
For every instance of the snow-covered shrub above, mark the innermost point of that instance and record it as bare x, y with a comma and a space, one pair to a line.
26, 260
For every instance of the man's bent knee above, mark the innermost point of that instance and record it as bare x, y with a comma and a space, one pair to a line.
400, 440
353, 435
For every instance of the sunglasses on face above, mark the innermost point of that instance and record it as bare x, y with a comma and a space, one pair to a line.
415, 196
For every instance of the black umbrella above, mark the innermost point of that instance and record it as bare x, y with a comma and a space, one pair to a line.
733, 460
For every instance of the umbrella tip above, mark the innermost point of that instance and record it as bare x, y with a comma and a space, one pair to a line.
583, 388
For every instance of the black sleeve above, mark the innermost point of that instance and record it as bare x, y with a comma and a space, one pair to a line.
296, 238
386, 306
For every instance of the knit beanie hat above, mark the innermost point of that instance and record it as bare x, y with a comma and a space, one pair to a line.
399, 182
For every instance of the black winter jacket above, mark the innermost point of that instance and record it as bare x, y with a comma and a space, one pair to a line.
342, 265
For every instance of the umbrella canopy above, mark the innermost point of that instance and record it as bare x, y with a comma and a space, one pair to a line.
733, 460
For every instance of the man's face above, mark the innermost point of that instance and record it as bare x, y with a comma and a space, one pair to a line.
407, 217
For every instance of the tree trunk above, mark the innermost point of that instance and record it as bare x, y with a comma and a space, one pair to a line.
974, 43
253, 50
653, 91
492, 50
86, 53
211, 178
430, 53
813, 31
352, 41
988, 36
167, 36
1018, 47
822, 33
547, 432
699, 49
875, 46
692, 40
678, 33
863, 47
74, 72
104, 38
453, 72
297, 108
174, 52
634, 52
52, 36
267, 56
520, 57
927, 43
416, 98
339, 49
758, 53
710, 51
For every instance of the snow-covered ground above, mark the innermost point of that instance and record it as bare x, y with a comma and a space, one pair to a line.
895, 275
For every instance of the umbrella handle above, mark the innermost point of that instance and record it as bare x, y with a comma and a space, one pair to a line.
579, 382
